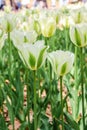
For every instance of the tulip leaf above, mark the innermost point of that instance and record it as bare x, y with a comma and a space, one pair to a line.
23, 126
32, 60
3, 125
63, 69
40, 58
77, 37
71, 121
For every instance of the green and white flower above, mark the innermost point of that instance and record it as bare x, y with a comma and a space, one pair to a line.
61, 61
33, 55
78, 34
20, 37
48, 26
8, 22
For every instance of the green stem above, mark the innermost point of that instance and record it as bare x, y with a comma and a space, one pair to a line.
28, 107
76, 67
10, 62
35, 101
76, 85
82, 87
66, 38
28, 110
61, 96
10, 53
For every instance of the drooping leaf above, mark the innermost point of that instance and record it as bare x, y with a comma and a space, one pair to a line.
71, 121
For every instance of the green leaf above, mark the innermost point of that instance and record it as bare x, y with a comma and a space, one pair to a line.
10, 108
71, 121
44, 122
56, 111
1, 98
40, 58
32, 60
2, 123
23, 126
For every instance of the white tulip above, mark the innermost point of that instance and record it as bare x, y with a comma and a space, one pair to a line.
61, 61
33, 55
78, 34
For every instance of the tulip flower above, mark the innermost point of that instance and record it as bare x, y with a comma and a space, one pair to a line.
79, 15
33, 55
65, 21
78, 34
8, 22
48, 26
61, 61
20, 37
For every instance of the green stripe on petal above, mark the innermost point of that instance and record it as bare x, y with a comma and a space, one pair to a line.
77, 37
40, 58
64, 68
32, 61
85, 38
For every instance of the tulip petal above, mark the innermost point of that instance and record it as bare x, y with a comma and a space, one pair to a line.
41, 56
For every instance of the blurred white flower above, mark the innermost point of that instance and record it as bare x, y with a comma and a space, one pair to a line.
48, 26
19, 37
78, 34
8, 22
